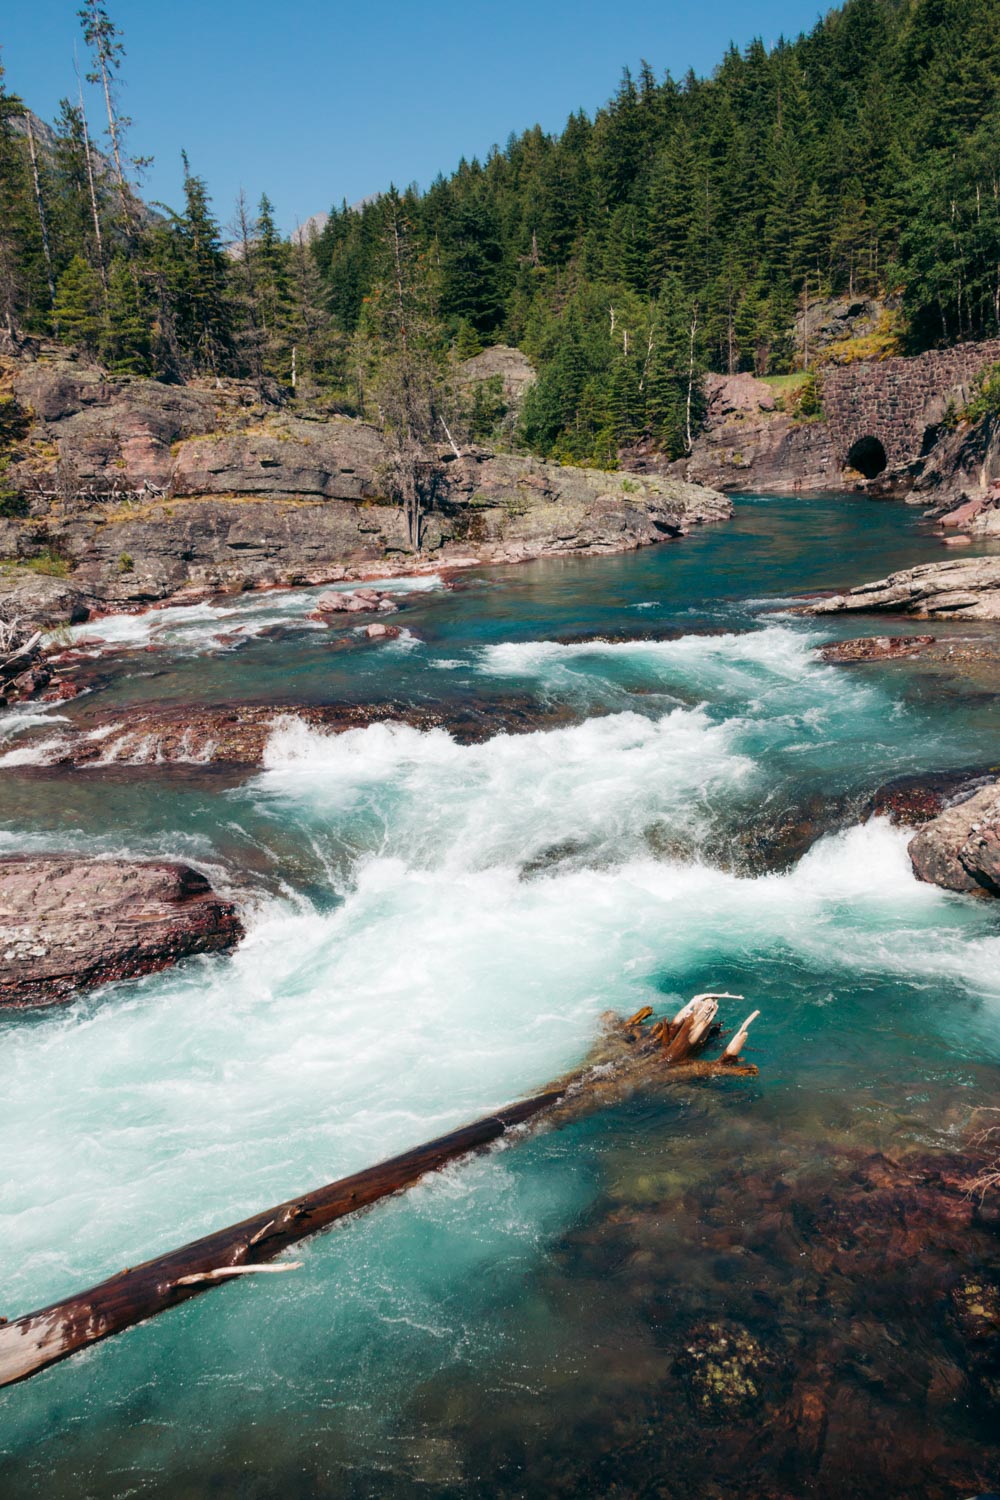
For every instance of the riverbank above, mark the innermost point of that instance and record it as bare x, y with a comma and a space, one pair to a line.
132, 493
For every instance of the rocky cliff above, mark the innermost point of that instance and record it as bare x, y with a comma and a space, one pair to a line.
140, 491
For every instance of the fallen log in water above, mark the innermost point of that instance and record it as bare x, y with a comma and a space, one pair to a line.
666, 1051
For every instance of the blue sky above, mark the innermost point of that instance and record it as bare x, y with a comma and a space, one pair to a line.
316, 102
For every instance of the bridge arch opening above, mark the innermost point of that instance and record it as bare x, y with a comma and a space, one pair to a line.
867, 456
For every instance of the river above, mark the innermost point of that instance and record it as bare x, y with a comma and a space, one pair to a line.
434, 929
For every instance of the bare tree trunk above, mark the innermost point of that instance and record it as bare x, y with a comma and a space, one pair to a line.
649, 355
40, 206
668, 1051
447, 433
113, 130
397, 258
98, 238
690, 389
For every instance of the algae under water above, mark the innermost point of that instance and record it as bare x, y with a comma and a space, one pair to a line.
722, 1288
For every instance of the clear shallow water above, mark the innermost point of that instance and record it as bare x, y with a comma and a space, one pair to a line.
434, 930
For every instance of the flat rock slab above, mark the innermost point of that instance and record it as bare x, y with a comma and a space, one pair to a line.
875, 648
966, 588
960, 849
68, 924
238, 734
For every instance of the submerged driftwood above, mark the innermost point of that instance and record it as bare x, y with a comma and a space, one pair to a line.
627, 1056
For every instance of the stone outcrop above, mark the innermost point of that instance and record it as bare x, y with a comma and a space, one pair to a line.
965, 588
830, 322
147, 490
737, 395
39, 601
960, 848
883, 423
749, 442
514, 369
961, 479
68, 924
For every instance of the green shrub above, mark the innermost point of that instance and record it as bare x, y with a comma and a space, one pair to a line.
985, 400
808, 400
12, 505
49, 563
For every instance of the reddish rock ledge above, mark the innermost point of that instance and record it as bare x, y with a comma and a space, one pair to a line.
69, 923
875, 648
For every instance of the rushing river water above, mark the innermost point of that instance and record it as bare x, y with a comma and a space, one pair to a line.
434, 930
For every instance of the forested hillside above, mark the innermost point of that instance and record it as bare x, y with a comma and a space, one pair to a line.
680, 229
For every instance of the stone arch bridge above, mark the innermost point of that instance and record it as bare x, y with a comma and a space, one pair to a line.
881, 414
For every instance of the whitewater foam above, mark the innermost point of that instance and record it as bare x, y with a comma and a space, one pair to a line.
424, 998
596, 786
224, 625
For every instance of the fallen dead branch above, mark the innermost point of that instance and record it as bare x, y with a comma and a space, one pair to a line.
668, 1051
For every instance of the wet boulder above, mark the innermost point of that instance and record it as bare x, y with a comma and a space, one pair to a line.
960, 848
353, 601
875, 648
69, 923
918, 796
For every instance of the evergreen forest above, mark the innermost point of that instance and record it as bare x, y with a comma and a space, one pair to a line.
678, 230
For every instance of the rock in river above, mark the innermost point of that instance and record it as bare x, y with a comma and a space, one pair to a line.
964, 588
69, 923
960, 848
875, 648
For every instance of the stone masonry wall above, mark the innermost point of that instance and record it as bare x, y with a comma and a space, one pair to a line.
896, 400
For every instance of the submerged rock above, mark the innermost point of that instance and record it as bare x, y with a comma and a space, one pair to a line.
69, 923
960, 849
966, 588
919, 796
726, 1370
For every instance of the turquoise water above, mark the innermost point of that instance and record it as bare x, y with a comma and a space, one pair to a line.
433, 930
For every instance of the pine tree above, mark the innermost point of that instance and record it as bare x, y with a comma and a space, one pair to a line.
78, 312
196, 276
127, 340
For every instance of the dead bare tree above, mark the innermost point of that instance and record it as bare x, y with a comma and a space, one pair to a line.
690, 385
91, 181
400, 371
43, 223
